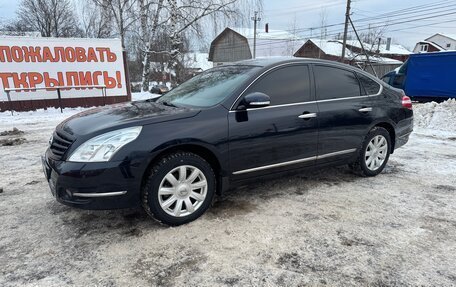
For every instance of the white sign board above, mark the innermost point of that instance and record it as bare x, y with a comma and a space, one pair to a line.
27, 63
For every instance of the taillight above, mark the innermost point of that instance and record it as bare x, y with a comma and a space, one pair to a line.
406, 102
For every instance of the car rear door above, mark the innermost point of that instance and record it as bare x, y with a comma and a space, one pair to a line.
344, 112
280, 136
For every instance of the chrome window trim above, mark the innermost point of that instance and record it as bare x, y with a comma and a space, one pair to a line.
380, 91
275, 106
311, 102
295, 161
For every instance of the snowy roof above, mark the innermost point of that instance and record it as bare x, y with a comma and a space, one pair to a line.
329, 47
377, 59
394, 48
451, 36
334, 48
272, 44
196, 60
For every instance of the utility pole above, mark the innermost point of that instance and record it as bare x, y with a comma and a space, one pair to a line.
347, 16
255, 20
362, 46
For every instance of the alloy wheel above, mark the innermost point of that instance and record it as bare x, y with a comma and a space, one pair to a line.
376, 152
182, 191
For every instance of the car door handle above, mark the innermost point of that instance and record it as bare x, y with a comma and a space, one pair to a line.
365, 110
308, 116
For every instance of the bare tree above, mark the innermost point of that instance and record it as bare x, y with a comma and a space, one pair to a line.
291, 44
123, 14
373, 37
178, 18
148, 36
52, 18
95, 22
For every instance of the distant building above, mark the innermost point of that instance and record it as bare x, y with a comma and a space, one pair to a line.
392, 51
332, 50
436, 43
195, 62
236, 44
322, 49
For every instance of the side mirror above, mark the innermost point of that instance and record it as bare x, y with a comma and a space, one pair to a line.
256, 100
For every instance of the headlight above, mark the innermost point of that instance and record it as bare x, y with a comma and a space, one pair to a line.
103, 147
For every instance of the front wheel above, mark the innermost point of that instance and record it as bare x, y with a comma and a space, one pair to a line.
179, 189
374, 153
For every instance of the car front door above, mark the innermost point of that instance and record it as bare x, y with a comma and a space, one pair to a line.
344, 112
280, 136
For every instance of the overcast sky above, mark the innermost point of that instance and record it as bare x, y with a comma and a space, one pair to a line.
281, 15
303, 15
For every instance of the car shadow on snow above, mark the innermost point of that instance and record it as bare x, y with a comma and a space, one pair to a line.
247, 198
126, 222
235, 202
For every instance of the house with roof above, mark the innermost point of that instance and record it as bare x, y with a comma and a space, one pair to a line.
332, 50
436, 43
236, 44
391, 51
322, 49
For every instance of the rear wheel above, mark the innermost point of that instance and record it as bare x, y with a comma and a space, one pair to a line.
374, 153
179, 189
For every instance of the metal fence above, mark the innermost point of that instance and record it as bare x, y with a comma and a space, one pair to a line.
380, 69
58, 89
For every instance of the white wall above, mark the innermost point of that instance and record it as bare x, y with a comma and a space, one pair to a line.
443, 42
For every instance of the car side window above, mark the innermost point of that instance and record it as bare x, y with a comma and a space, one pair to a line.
386, 79
370, 86
335, 83
285, 85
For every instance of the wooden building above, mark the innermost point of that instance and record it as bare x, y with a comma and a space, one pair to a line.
236, 44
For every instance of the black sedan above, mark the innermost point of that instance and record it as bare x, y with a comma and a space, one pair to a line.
225, 127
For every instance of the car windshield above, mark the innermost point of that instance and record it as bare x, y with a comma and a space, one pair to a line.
208, 88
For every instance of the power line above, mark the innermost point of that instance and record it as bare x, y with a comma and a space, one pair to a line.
391, 15
270, 42
364, 27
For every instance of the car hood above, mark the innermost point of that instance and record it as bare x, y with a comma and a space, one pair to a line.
122, 115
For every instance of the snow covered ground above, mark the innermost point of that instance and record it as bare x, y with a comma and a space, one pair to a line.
326, 227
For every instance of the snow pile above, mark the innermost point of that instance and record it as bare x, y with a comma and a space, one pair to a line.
437, 119
37, 118
139, 96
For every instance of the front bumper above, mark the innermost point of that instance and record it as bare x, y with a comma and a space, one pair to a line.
100, 185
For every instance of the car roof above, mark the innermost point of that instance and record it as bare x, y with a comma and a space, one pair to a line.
275, 61
271, 62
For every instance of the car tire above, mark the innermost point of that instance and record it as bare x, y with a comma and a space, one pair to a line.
179, 188
374, 153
